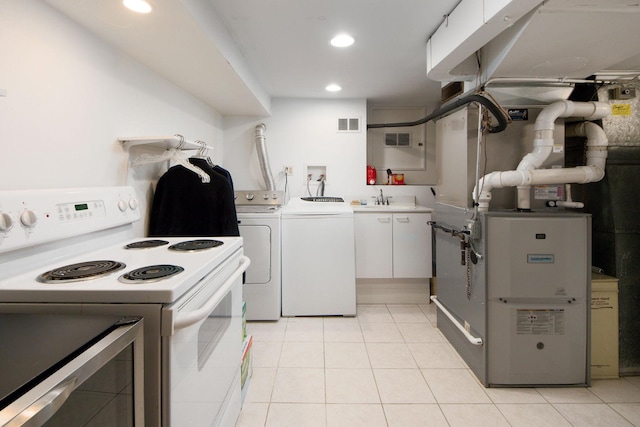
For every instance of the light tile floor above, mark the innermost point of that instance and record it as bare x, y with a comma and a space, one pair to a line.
390, 366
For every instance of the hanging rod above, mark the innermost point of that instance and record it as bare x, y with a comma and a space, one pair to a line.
167, 142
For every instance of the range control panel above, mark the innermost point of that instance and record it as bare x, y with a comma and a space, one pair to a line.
31, 217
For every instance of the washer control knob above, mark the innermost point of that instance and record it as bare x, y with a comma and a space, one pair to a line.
249, 196
6, 223
122, 205
133, 204
28, 219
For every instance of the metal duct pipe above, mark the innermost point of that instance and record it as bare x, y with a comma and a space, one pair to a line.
261, 148
527, 173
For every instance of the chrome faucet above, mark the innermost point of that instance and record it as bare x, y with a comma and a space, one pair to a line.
381, 200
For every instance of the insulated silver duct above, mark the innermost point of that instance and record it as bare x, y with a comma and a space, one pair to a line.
261, 148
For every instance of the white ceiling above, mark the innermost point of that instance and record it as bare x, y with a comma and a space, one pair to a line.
236, 55
286, 44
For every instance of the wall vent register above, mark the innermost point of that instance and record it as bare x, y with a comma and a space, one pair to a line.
348, 125
397, 139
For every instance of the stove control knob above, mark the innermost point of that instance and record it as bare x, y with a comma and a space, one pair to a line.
6, 223
249, 196
133, 204
28, 219
122, 205
265, 196
274, 196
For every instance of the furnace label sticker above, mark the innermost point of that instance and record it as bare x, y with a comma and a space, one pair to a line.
621, 110
548, 192
540, 259
540, 322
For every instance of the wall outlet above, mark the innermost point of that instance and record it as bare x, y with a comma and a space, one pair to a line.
288, 170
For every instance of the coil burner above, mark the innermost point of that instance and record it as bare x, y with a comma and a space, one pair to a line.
151, 273
144, 244
195, 245
80, 271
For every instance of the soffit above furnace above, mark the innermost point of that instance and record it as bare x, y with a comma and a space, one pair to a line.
559, 39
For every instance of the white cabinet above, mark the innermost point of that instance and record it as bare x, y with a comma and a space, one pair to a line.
374, 245
411, 245
393, 245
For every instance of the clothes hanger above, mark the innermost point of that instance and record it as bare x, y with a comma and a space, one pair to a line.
203, 152
172, 154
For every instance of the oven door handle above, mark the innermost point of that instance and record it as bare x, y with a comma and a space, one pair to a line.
187, 319
40, 403
46, 406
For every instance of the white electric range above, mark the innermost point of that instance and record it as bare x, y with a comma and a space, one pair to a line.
72, 251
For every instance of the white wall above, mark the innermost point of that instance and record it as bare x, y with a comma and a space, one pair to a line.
303, 132
70, 96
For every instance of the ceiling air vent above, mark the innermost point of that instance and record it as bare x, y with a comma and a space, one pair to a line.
348, 125
399, 139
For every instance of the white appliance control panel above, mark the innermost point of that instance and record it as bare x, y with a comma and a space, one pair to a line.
31, 217
259, 197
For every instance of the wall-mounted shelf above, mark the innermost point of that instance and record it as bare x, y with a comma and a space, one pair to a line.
175, 150
167, 142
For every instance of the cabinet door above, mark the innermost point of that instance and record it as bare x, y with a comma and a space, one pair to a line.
411, 245
373, 245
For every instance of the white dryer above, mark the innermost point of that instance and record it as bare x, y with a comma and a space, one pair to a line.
259, 223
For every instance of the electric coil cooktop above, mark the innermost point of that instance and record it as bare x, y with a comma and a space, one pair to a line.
164, 269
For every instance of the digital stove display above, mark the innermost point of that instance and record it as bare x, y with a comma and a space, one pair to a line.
151, 273
80, 271
195, 245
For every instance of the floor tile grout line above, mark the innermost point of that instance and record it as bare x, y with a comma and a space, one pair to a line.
546, 400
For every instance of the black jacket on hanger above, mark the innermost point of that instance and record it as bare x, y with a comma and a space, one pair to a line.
222, 171
184, 206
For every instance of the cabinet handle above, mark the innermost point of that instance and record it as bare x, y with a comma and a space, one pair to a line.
384, 219
402, 219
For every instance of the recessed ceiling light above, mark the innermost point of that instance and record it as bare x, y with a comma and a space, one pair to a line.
333, 88
342, 40
140, 6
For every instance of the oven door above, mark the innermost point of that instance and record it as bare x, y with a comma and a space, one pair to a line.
202, 350
100, 383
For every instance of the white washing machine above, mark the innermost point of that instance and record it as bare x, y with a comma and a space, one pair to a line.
259, 223
318, 258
